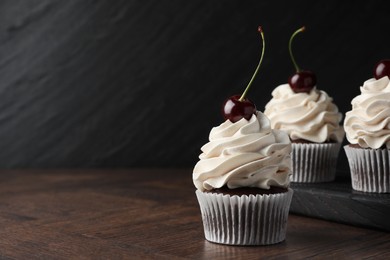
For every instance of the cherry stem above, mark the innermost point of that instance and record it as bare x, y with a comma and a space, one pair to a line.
289, 47
258, 65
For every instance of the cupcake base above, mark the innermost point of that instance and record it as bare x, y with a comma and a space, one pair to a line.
370, 169
245, 220
314, 162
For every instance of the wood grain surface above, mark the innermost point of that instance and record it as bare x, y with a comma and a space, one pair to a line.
144, 214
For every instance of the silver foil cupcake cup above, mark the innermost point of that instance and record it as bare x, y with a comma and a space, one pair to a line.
370, 169
245, 220
314, 162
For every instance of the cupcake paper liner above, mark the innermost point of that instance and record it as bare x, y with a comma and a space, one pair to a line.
314, 162
245, 220
370, 169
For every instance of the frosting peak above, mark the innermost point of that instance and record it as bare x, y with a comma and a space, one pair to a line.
310, 116
368, 123
244, 154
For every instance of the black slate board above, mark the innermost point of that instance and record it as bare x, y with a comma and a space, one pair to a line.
337, 201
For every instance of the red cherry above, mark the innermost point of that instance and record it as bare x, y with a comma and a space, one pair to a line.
238, 106
234, 109
303, 81
382, 69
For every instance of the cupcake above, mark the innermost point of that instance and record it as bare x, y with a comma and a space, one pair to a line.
312, 121
242, 177
367, 128
242, 181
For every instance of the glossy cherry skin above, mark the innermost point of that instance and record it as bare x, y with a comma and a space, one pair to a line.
234, 109
303, 81
382, 69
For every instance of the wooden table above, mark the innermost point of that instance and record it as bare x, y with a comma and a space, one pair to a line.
144, 214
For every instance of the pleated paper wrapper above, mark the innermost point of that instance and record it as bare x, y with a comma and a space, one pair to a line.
370, 169
314, 162
245, 220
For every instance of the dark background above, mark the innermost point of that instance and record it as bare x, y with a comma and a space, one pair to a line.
140, 83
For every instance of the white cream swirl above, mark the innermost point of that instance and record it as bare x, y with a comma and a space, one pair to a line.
310, 116
244, 154
368, 123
